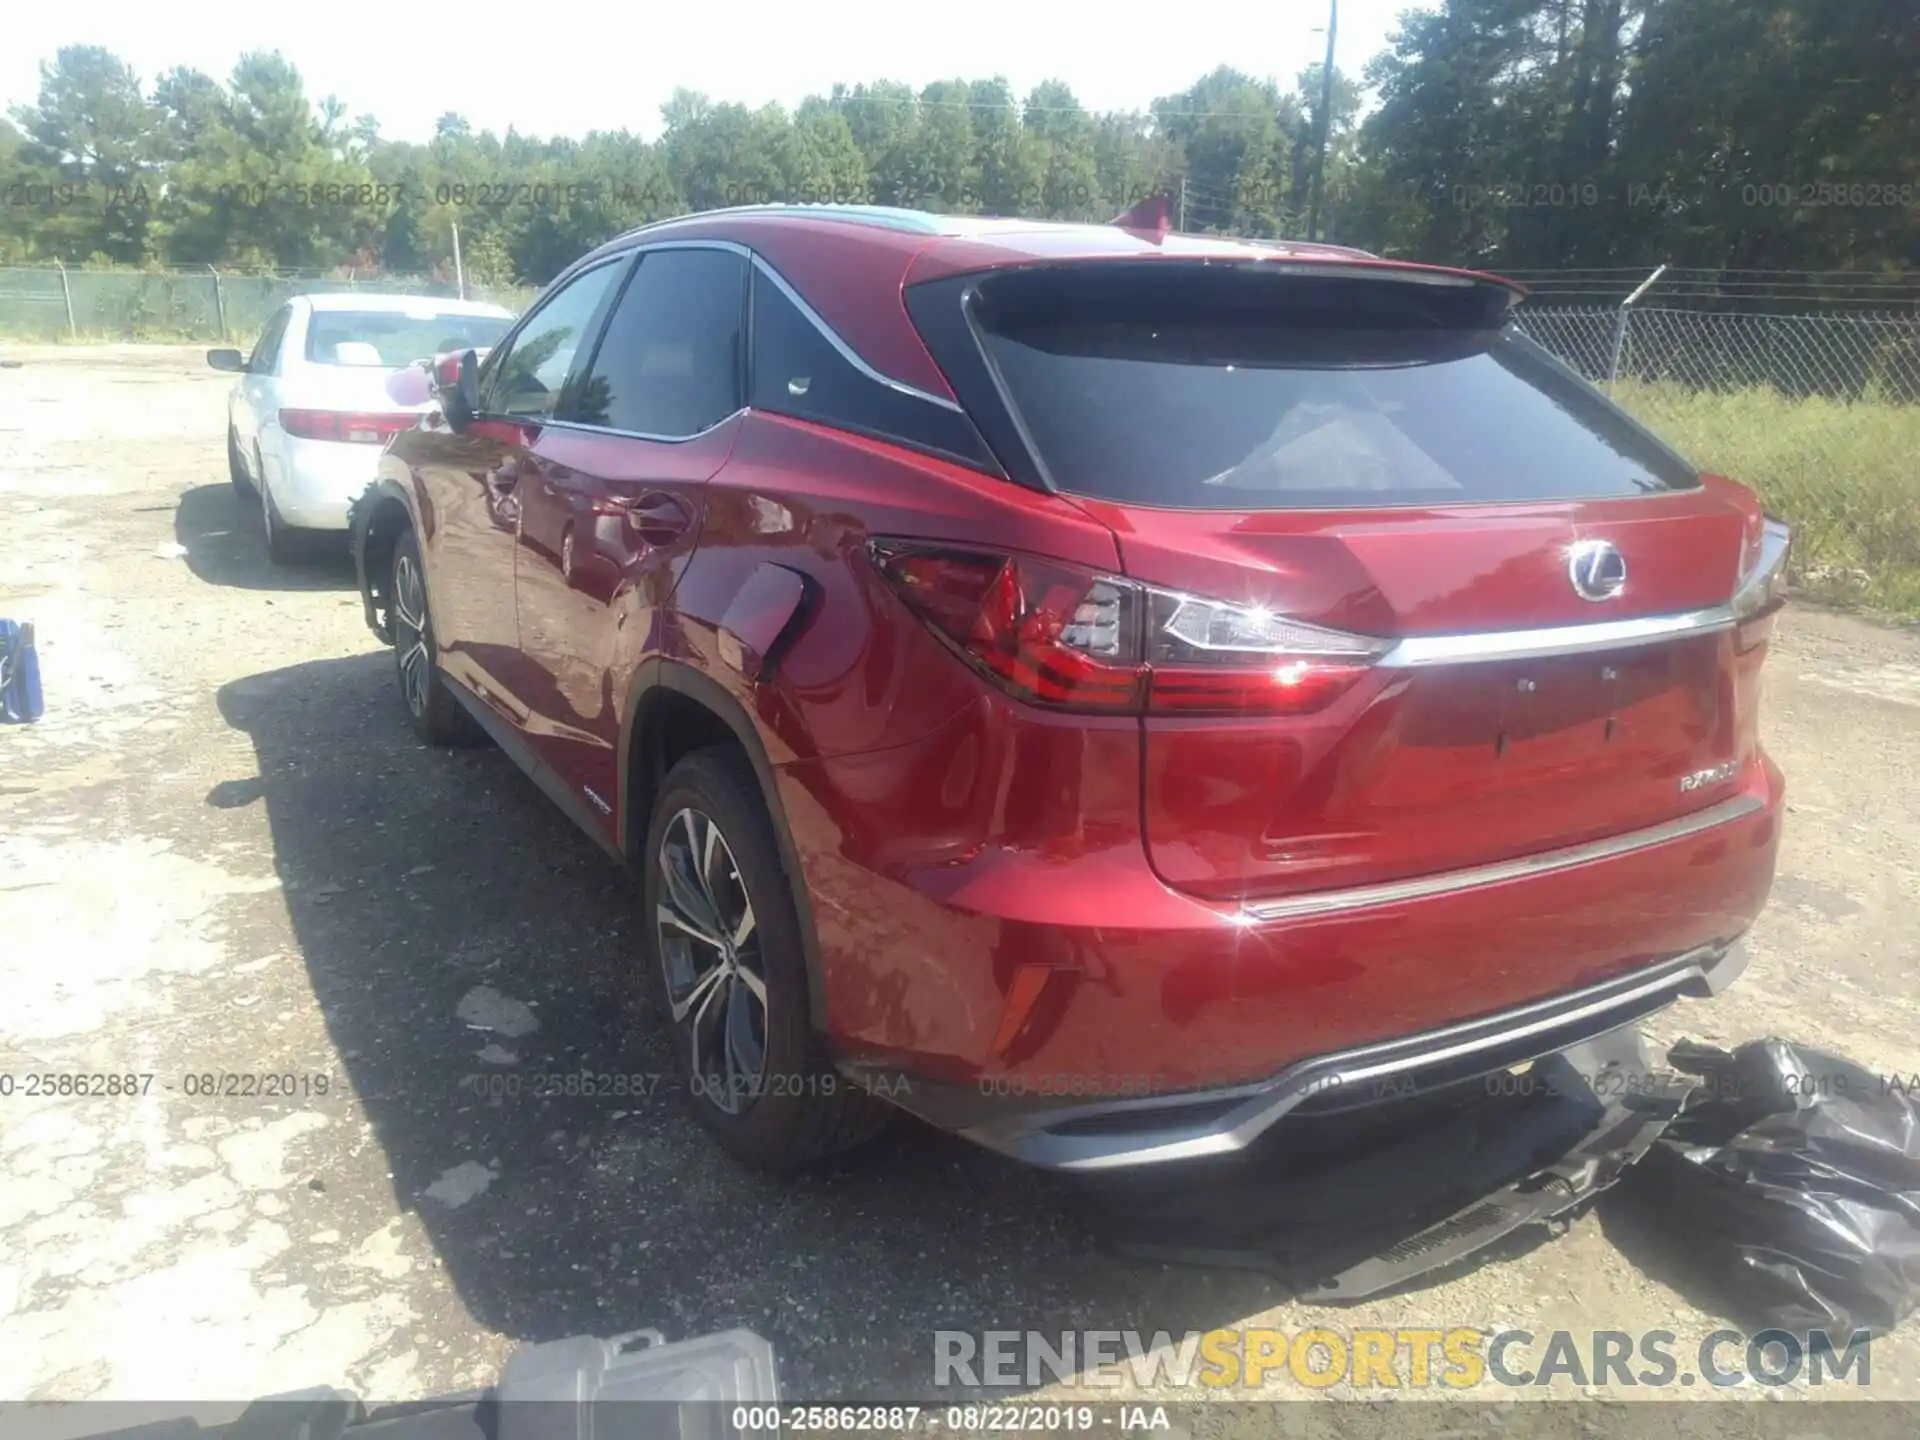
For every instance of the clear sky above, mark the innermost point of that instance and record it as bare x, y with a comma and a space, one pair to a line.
550, 69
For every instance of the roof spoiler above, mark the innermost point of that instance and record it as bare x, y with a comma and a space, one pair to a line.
1152, 217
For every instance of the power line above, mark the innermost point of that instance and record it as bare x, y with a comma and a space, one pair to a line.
1150, 112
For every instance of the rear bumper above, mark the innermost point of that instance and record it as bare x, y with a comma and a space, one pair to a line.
1166, 1128
990, 932
314, 481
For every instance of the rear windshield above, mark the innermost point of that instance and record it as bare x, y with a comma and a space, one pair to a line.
1227, 388
392, 338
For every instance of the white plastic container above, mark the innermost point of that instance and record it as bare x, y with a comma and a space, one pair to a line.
634, 1387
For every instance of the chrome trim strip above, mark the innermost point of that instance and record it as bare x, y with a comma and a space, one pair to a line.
847, 352
1756, 587
732, 247
1577, 1016
585, 429
1752, 593
1421, 887
779, 281
1416, 651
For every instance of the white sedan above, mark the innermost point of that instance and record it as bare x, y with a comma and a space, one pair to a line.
311, 411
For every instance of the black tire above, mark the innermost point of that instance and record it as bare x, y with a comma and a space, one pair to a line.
434, 712
798, 1109
285, 545
236, 467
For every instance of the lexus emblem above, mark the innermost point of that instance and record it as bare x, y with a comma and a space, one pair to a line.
1597, 570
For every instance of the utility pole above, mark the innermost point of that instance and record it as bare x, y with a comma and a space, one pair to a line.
459, 274
1326, 124
1181, 227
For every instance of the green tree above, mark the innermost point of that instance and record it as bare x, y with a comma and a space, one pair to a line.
1237, 135
1497, 136
192, 106
262, 181
1067, 139
1010, 162
1343, 112
91, 126
1761, 137
945, 171
884, 119
1134, 162
1510, 133
22, 224
610, 183
720, 155
822, 161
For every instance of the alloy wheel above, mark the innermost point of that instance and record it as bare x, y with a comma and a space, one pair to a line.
710, 951
410, 632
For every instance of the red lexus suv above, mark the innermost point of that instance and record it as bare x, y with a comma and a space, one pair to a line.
1107, 692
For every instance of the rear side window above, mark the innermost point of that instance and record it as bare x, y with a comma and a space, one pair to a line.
669, 363
799, 371
266, 350
1229, 388
392, 338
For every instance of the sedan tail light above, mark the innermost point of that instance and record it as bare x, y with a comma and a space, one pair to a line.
1060, 636
357, 427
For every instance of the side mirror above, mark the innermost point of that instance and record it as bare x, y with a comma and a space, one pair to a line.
226, 360
456, 385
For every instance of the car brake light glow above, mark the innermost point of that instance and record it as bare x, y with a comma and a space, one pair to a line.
1057, 635
356, 427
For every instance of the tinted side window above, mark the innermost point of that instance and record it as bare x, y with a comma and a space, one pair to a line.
798, 371
528, 379
669, 363
266, 350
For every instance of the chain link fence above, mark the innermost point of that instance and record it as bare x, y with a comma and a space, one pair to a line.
1819, 413
50, 304
1840, 357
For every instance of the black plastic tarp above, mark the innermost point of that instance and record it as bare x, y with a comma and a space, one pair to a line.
1792, 1177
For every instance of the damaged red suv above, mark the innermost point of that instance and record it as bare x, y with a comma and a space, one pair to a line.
1106, 692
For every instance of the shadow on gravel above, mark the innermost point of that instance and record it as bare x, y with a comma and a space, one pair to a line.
1635, 1220
225, 546
415, 876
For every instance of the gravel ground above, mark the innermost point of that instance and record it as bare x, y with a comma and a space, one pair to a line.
224, 853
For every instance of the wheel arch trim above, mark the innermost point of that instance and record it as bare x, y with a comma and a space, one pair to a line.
363, 514
659, 674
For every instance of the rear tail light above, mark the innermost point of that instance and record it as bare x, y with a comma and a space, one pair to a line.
1045, 632
1057, 635
354, 426
1208, 655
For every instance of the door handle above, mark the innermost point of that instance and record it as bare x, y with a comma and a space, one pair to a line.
657, 517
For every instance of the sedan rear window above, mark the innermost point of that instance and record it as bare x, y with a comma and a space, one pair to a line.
1229, 387
392, 338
